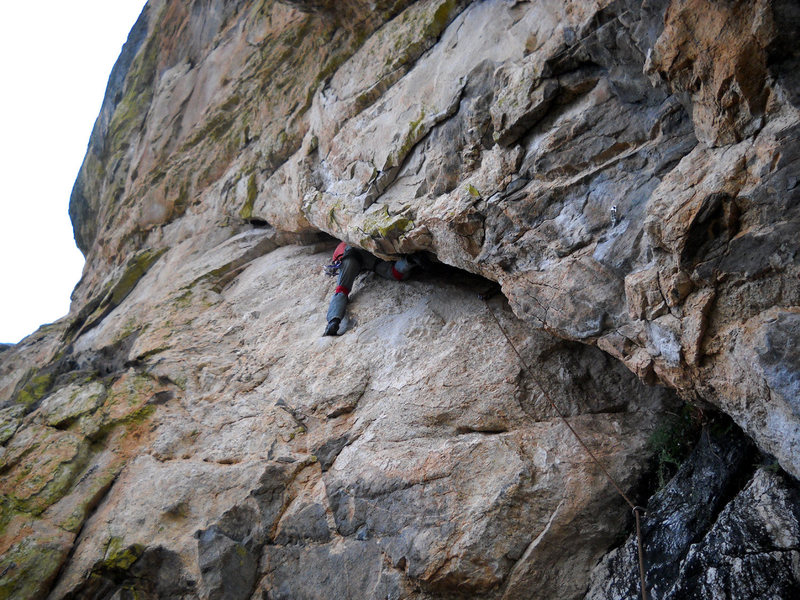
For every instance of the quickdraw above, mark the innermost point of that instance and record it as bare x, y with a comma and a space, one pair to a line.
336, 262
332, 270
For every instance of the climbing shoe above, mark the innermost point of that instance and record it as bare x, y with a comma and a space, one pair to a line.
332, 328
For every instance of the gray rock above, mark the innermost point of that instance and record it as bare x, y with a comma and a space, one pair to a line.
780, 357
753, 549
348, 569
227, 567
715, 531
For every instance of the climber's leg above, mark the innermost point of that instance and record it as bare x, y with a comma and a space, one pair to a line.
367, 259
397, 270
351, 265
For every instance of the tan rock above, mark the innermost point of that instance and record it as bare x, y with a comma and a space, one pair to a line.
717, 54
693, 326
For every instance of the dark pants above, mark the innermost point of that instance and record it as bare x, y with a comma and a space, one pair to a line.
353, 262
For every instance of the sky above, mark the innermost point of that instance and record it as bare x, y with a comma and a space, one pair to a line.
55, 59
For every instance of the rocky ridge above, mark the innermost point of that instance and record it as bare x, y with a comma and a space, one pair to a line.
626, 171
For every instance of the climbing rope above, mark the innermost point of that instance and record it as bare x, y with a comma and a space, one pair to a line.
636, 509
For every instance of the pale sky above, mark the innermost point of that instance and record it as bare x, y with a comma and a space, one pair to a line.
55, 59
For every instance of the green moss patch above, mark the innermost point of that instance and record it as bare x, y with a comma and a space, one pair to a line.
424, 27
381, 224
50, 467
414, 133
30, 566
119, 556
35, 384
10, 419
71, 402
126, 401
135, 269
473, 191
138, 95
213, 129
252, 192
94, 491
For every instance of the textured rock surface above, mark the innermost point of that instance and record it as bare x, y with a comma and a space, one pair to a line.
625, 170
720, 529
405, 453
499, 136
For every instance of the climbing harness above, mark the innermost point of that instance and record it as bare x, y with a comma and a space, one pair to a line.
636, 509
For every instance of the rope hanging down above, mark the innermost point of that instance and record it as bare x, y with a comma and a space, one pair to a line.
636, 509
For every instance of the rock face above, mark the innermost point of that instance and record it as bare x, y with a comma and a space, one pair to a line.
720, 529
625, 171
405, 453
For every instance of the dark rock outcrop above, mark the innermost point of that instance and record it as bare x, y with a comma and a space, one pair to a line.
723, 527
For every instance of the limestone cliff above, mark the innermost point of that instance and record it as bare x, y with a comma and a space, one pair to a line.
626, 171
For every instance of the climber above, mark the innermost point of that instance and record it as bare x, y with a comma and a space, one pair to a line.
349, 261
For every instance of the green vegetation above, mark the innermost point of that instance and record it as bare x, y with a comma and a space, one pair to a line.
43, 475
413, 135
332, 220
181, 381
130, 326
213, 129
60, 482
424, 27
184, 300
442, 17
673, 440
115, 292
231, 103
97, 489
10, 419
